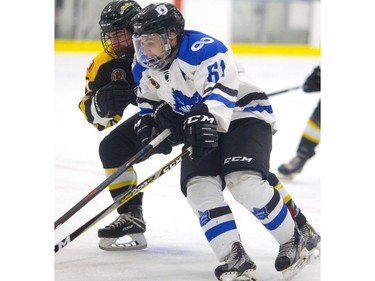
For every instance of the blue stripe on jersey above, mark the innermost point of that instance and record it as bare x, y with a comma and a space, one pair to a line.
276, 222
259, 108
219, 98
145, 111
220, 229
197, 47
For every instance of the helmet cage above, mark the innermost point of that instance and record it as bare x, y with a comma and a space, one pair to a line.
122, 39
115, 20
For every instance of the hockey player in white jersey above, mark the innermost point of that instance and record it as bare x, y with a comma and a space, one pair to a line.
226, 120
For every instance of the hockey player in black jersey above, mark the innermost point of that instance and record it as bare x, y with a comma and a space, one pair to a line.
109, 90
311, 135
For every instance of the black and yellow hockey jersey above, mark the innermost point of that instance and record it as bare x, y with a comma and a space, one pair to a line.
102, 70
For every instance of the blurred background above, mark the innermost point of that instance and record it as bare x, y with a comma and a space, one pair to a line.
250, 26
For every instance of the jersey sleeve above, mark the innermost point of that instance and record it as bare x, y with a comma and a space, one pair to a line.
96, 77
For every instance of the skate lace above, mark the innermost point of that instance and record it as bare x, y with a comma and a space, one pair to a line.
287, 248
236, 251
235, 256
124, 219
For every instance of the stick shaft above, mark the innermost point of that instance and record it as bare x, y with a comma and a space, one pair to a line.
284, 91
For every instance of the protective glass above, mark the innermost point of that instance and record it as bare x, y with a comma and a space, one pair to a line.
152, 50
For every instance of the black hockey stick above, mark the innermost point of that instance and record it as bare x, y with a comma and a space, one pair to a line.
284, 91
137, 157
121, 199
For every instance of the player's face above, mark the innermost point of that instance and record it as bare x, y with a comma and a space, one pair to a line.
121, 39
153, 50
152, 45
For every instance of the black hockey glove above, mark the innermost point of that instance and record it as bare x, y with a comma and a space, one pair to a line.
112, 98
166, 118
200, 132
312, 83
146, 129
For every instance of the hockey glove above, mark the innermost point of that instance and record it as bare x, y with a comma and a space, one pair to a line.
200, 132
112, 98
166, 118
146, 129
312, 83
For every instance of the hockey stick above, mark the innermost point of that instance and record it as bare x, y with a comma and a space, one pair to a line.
284, 91
137, 157
121, 199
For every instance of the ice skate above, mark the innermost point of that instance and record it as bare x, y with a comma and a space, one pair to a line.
312, 240
293, 167
238, 266
293, 256
125, 233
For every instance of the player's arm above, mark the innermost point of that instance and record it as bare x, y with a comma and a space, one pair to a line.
104, 100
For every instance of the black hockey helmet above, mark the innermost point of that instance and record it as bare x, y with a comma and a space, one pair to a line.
154, 26
116, 17
159, 18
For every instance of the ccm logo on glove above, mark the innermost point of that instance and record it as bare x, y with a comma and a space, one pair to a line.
200, 118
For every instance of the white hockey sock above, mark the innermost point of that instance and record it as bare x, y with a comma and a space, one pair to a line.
264, 202
205, 197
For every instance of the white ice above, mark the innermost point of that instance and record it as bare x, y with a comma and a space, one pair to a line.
177, 249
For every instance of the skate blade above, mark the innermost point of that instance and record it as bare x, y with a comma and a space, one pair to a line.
129, 242
294, 269
247, 275
229, 276
314, 254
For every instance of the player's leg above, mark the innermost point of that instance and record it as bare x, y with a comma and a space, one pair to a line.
306, 148
309, 233
115, 149
246, 167
203, 188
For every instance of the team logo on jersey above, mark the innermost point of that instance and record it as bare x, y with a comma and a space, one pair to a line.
261, 214
154, 83
118, 74
183, 103
199, 44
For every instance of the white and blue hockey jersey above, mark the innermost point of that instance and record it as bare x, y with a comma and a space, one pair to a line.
205, 70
